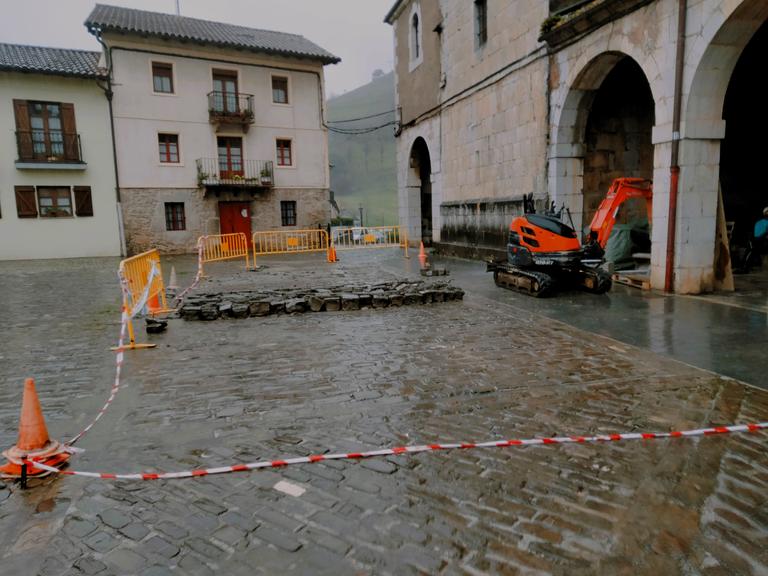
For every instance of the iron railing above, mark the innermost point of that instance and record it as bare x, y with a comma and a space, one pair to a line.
249, 173
48, 146
232, 106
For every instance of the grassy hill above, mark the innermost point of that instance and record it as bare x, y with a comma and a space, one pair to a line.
364, 165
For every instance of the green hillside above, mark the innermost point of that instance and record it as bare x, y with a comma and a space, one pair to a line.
363, 169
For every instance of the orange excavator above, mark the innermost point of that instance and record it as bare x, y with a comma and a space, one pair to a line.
543, 252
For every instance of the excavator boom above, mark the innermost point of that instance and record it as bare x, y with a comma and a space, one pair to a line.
621, 190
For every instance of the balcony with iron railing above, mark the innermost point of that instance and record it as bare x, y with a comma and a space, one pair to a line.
230, 108
52, 149
243, 173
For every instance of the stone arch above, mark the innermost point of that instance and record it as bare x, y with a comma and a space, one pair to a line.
420, 178
716, 51
569, 130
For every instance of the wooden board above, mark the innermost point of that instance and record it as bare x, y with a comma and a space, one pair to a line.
642, 282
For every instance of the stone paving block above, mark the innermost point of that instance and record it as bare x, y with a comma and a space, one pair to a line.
78, 527
379, 465
114, 518
172, 530
89, 565
189, 564
160, 546
210, 506
278, 538
228, 536
240, 521
134, 531
204, 547
275, 518
126, 561
101, 542
326, 540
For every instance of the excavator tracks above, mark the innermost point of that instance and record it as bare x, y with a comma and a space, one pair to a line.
527, 281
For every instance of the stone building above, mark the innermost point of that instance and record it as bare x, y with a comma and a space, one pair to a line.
220, 128
57, 175
497, 99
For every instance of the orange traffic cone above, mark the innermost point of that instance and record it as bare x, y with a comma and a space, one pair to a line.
33, 442
422, 255
332, 254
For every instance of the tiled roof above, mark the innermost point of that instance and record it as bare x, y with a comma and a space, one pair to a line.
172, 27
41, 60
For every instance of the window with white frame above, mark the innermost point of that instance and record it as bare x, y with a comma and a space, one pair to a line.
415, 27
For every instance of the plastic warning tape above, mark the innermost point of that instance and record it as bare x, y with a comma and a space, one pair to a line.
409, 450
126, 317
180, 298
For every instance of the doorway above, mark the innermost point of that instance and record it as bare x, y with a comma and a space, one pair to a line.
235, 217
421, 168
230, 151
225, 92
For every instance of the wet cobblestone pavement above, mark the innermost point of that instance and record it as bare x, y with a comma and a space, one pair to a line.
225, 392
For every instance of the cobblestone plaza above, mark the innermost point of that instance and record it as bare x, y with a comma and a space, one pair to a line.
224, 392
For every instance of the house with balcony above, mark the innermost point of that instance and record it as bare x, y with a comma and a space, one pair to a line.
220, 128
57, 175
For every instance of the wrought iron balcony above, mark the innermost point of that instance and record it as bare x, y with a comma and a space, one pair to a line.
48, 147
230, 108
245, 173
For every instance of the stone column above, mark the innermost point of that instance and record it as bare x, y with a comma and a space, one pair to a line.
566, 180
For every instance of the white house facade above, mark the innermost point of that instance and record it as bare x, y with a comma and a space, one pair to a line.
220, 128
57, 175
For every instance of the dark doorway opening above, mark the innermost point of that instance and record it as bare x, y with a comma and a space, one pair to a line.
618, 138
422, 166
745, 195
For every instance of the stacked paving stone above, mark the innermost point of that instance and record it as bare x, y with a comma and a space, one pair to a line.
242, 304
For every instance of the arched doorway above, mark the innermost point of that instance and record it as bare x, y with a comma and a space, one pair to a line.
420, 175
603, 131
741, 157
617, 140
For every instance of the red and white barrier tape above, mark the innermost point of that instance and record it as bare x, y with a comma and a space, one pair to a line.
127, 315
409, 450
180, 298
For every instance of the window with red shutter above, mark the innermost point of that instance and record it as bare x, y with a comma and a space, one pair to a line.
26, 203
83, 201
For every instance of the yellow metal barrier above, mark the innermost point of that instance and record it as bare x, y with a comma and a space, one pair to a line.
216, 247
136, 273
370, 237
289, 242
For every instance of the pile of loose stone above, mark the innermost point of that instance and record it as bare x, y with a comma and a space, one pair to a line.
242, 304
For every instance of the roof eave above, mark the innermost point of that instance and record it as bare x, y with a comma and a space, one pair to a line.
82, 76
392, 14
330, 59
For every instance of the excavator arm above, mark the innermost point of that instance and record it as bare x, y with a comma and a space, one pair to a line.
621, 190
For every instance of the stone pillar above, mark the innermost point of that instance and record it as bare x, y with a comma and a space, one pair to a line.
696, 211
566, 180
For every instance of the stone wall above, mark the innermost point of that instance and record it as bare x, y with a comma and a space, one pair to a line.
144, 214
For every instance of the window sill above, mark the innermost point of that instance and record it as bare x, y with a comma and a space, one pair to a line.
171, 164
32, 165
282, 105
164, 94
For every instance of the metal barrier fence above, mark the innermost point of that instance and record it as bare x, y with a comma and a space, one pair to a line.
142, 277
370, 237
216, 247
289, 242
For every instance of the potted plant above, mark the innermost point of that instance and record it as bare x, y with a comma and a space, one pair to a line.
266, 176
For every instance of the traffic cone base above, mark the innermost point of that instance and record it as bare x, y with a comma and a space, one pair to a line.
153, 305
33, 442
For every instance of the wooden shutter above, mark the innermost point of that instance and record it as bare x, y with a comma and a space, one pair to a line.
71, 148
83, 202
23, 129
26, 204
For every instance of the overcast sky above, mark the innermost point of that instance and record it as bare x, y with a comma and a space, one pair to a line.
351, 29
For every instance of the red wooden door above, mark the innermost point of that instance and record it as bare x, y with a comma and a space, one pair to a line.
235, 217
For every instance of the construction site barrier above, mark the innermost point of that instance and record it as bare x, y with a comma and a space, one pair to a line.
142, 280
216, 247
370, 237
290, 242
